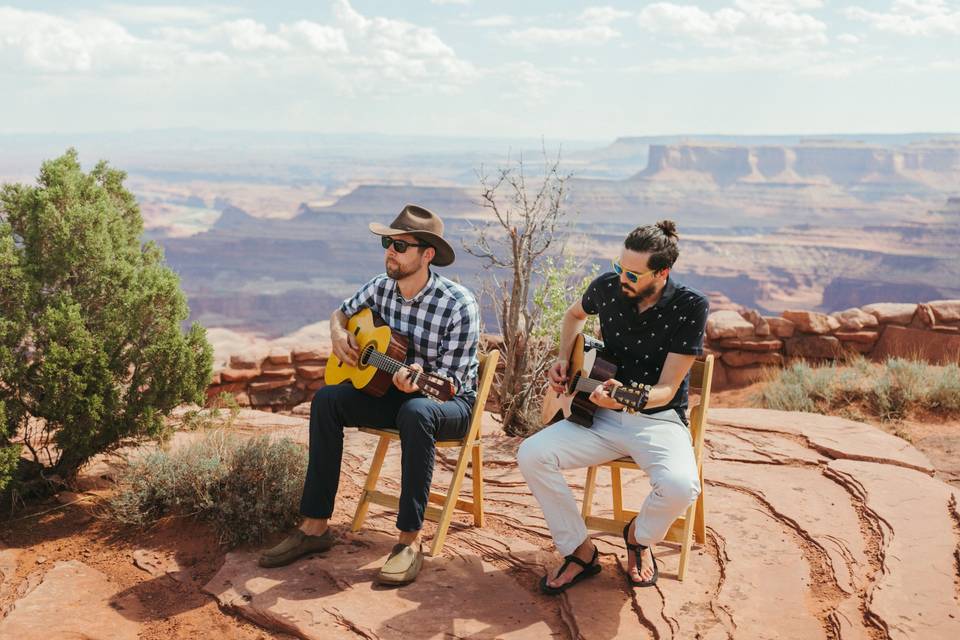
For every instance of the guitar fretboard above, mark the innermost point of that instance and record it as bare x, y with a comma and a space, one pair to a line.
587, 385
388, 364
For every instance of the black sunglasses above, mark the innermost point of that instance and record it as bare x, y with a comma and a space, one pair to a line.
400, 246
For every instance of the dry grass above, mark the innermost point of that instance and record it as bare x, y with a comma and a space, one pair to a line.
892, 390
246, 488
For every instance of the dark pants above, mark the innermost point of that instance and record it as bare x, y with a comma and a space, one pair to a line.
421, 422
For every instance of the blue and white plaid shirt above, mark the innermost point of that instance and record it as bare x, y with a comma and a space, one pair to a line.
441, 324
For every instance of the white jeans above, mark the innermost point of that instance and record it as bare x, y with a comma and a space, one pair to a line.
660, 445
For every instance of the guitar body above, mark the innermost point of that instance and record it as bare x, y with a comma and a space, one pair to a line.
371, 333
572, 405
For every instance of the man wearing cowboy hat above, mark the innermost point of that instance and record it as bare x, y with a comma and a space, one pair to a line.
442, 323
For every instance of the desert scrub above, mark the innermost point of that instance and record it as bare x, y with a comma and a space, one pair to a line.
247, 488
890, 390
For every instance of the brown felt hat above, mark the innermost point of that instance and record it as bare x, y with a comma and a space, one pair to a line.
423, 224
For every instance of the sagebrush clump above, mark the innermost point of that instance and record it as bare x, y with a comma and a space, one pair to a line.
248, 488
890, 390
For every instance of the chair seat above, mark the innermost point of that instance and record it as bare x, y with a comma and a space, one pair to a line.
395, 435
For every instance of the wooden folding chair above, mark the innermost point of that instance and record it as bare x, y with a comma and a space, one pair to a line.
471, 450
689, 526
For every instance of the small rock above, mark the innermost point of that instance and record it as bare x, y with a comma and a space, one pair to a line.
812, 322
727, 324
855, 319
279, 356
780, 327
945, 310
891, 312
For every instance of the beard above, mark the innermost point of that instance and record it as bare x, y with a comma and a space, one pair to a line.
638, 296
397, 272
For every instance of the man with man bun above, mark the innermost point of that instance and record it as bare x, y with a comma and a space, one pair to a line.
653, 329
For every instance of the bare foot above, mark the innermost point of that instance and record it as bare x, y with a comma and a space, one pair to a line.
646, 563
584, 552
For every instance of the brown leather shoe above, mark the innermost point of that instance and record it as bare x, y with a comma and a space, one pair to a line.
296, 545
402, 566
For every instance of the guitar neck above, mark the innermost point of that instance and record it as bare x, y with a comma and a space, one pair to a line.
587, 385
385, 363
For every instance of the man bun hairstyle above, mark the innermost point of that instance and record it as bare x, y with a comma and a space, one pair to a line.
659, 240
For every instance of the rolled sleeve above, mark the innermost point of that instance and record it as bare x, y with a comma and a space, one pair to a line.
590, 300
688, 338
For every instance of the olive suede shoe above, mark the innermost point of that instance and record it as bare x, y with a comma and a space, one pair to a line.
402, 566
296, 545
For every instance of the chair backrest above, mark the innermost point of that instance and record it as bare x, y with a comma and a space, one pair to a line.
488, 367
701, 379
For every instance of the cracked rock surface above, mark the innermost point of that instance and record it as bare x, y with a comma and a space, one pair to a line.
817, 527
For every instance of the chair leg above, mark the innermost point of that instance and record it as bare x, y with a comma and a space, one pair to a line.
700, 521
477, 471
588, 487
686, 541
453, 493
617, 488
371, 483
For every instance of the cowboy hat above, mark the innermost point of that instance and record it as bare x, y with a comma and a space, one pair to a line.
423, 224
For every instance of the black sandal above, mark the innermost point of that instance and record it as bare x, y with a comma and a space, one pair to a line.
589, 569
637, 550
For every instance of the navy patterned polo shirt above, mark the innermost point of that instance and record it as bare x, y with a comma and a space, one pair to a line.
639, 342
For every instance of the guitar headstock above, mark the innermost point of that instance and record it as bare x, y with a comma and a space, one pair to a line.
435, 387
633, 397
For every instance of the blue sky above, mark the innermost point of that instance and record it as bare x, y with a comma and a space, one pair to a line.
568, 70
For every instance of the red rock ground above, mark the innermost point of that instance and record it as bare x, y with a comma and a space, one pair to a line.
807, 538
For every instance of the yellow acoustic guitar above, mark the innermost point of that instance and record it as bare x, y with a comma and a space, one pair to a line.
382, 353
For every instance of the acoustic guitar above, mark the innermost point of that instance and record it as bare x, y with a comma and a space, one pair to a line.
382, 353
586, 371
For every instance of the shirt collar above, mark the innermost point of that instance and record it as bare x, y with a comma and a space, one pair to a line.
428, 287
669, 290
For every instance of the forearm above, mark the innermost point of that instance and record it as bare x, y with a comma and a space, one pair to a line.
572, 325
338, 321
660, 395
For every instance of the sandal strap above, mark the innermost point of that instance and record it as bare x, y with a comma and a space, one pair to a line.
575, 560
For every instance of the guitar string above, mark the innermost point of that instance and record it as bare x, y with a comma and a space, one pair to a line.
385, 363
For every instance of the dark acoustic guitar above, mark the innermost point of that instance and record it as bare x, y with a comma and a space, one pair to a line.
586, 371
382, 353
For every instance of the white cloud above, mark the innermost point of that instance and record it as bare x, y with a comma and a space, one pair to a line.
51, 44
912, 18
534, 36
318, 37
748, 25
602, 15
250, 35
151, 14
848, 38
355, 53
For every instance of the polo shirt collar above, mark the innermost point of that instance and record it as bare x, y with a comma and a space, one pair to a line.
669, 290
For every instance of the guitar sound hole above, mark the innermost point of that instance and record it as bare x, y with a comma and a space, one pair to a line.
365, 354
